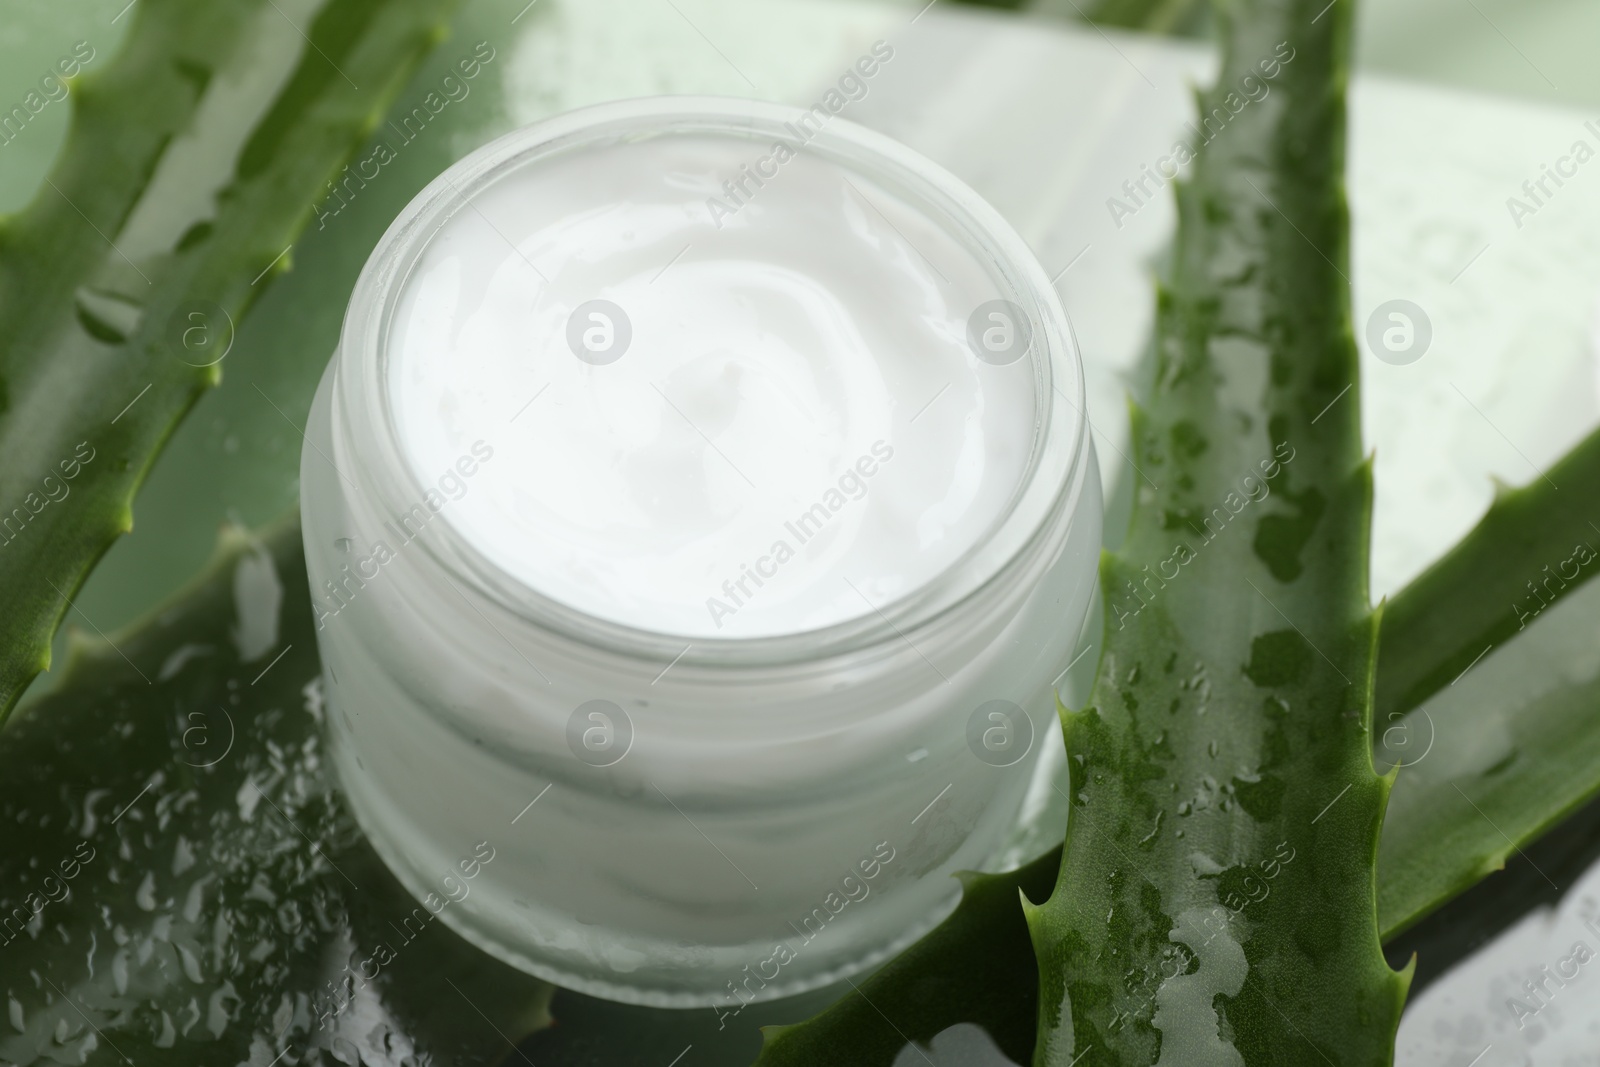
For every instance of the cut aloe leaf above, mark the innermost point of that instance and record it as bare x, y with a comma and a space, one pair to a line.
1216, 902
180, 881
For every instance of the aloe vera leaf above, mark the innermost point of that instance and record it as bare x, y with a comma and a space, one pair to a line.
1496, 761
1534, 546
1217, 901
220, 888
192, 162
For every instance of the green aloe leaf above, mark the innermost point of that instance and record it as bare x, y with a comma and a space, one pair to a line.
1217, 900
1487, 689
1494, 762
192, 162
1535, 545
180, 881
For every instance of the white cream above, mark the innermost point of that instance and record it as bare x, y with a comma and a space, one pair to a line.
797, 431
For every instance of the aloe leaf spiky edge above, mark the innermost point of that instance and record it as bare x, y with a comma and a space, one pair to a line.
1498, 761
121, 284
1217, 900
1534, 546
1511, 603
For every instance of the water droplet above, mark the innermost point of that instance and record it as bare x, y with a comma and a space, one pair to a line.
217, 1010
191, 964
182, 856
257, 596
108, 317
145, 895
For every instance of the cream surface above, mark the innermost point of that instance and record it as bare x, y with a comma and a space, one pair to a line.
775, 421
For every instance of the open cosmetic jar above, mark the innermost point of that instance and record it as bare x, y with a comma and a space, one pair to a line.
700, 512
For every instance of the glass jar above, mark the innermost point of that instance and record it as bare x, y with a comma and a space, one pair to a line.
676, 822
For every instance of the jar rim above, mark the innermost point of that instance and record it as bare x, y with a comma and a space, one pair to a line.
1060, 440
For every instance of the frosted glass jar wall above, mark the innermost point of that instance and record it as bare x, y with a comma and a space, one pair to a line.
674, 815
